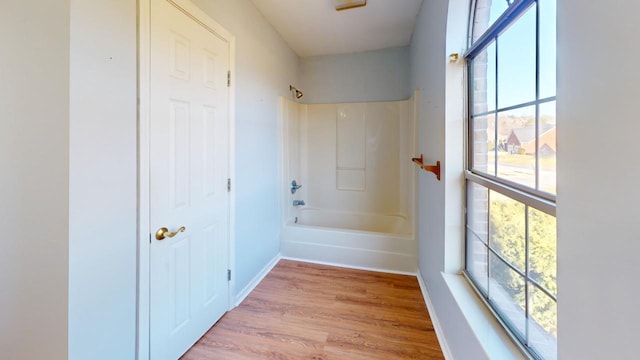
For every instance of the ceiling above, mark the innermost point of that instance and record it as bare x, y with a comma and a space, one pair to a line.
314, 27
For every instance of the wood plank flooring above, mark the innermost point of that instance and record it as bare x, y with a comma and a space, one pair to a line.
310, 311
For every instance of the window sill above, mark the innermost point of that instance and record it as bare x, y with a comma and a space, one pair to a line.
494, 340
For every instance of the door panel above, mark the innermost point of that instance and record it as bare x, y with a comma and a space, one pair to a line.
179, 153
189, 127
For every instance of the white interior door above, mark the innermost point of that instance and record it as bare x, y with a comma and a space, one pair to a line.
189, 166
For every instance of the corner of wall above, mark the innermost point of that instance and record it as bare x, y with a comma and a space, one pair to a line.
255, 281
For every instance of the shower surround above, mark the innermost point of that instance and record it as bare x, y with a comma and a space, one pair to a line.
353, 161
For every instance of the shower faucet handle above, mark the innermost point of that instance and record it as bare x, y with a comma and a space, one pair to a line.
294, 186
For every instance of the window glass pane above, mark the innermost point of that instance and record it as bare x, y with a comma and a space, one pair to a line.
543, 323
478, 210
507, 229
506, 292
547, 146
517, 61
477, 258
543, 249
511, 247
487, 12
484, 149
517, 146
484, 80
547, 48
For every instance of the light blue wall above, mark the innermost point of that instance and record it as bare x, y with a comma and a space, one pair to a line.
428, 75
440, 138
381, 75
103, 180
265, 66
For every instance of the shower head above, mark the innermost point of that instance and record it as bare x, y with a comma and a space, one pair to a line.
298, 93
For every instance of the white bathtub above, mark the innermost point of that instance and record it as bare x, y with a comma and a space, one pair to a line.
374, 241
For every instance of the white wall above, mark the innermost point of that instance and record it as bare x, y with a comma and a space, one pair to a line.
351, 156
102, 180
265, 66
381, 75
598, 203
34, 178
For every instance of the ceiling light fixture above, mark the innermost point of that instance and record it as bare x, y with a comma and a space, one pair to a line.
348, 4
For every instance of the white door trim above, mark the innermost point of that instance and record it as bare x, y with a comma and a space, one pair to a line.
144, 230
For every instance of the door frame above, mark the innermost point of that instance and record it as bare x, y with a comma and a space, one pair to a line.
144, 152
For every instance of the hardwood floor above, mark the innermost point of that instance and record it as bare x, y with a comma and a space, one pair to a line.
310, 311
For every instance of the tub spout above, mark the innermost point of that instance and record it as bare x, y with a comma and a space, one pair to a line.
298, 203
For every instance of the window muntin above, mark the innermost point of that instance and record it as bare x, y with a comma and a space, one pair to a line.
485, 14
511, 177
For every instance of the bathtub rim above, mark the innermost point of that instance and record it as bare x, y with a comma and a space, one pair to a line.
290, 223
402, 216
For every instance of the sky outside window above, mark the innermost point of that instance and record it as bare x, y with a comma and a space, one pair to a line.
516, 48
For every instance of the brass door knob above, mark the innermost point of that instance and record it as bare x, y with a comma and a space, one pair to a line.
164, 232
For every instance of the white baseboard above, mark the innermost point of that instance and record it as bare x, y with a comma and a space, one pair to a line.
351, 256
256, 280
434, 319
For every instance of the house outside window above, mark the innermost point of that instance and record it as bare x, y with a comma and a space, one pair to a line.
511, 167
